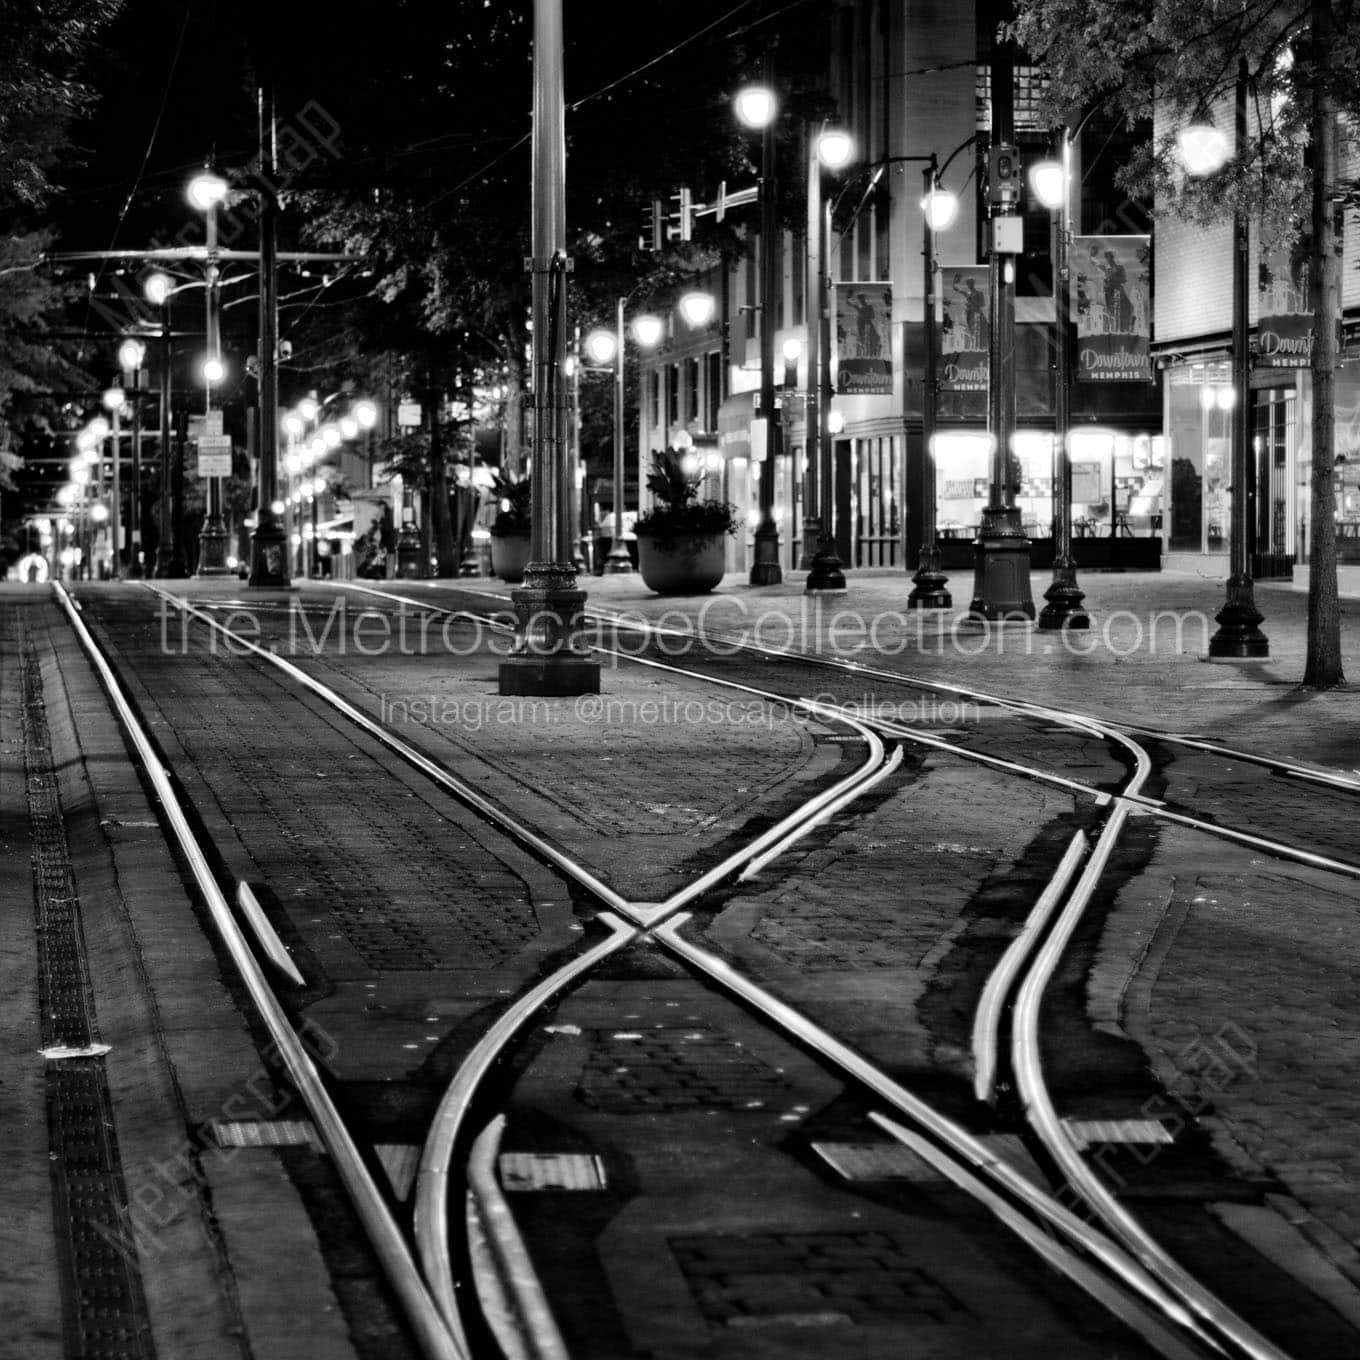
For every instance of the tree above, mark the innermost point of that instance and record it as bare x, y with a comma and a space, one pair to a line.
40, 97
1168, 62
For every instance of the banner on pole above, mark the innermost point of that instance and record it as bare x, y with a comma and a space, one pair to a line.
965, 329
1284, 329
1112, 304
863, 344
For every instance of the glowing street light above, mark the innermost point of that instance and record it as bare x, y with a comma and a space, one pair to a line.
756, 106
697, 309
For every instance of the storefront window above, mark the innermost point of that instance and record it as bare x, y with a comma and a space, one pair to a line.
961, 482
1201, 407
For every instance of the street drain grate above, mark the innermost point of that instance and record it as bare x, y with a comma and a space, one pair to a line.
811, 1280
673, 1069
551, 1171
1084, 1132
101, 1280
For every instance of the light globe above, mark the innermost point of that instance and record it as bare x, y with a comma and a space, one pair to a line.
697, 308
1049, 183
156, 288
755, 105
600, 345
647, 330
130, 355
835, 148
366, 413
206, 190
1203, 148
940, 207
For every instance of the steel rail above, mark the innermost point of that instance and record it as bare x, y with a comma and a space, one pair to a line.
984, 696
464, 792
1203, 1302
1129, 1308
431, 1207
1026, 1062
435, 1337
961, 1143
828, 811
1291, 767
545, 849
987, 1020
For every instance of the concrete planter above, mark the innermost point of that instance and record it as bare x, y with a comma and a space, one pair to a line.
509, 555
681, 566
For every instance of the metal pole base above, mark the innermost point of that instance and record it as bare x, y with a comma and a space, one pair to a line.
1238, 635
212, 550
825, 574
408, 555
617, 562
1064, 597
929, 590
812, 546
1001, 590
765, 569
269, 555
550, 655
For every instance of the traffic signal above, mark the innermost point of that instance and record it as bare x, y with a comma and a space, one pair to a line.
653, 226
1003, 177
682, 217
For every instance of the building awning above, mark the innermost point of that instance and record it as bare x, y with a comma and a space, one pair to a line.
734, 424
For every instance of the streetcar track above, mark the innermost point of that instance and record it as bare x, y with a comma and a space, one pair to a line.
1160, 808
662, 922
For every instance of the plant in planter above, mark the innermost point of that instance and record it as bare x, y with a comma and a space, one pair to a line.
680, 539
510, 529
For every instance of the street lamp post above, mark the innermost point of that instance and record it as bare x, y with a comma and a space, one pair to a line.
756, 108
1001, 589
130, 356
1052, 182
157, 289
1239, 634
618, 563
113, 403
269, 542
832, 148
206, 191
550, 655
606, 348
937, 212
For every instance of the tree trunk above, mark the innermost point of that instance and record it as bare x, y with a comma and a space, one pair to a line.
1322, 668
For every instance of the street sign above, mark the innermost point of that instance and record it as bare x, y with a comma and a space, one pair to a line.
214, 455
408, 414
210, 424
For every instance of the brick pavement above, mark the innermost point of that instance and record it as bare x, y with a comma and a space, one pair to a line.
1285, 1115
1241, 987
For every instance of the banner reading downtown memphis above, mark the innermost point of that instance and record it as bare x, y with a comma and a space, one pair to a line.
965, 329
863, 339
1112, 295
1284, 327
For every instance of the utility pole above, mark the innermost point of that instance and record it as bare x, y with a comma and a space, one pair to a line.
268, 545
550, 654
1001, 587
